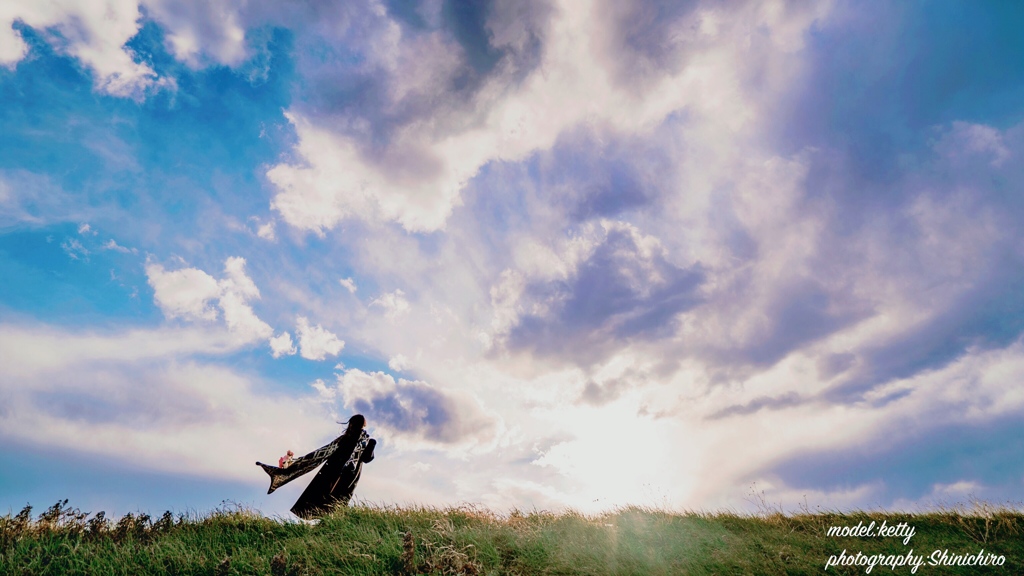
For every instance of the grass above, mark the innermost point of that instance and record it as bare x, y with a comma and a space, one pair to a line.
468, 540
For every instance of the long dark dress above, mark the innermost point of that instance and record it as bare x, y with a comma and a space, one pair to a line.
334, 483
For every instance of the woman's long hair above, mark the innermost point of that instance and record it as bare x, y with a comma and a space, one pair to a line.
354, 426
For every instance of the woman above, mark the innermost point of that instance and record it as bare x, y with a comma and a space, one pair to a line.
343, 462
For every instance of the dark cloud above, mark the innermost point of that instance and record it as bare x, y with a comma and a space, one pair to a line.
879, 80
648, 39
591, 174
622, 292
799, 314
907, 466
408, 13
832, 365
758, 404
498, 36
987, 317
467, 20
418, 409
957, 230
922, 174
600, 394
345, 87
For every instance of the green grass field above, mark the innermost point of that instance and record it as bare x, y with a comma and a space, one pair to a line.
466, 540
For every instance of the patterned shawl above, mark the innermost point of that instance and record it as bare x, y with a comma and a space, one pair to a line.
281, 476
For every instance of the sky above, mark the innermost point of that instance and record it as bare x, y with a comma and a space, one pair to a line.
561, 254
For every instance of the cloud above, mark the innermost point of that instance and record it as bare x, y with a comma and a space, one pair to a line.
323, 391
236, 281
593, 174
398, 363
241, 319
188, 293
199, 33
96, 34
763, 402
281, 345
185, 293
75, 250
621, 288
600, 393
266, 231
35, 199
394, 304
112, 245
415, 409
136, 395
348, 284
315, 342
966, 139
950, 458
407, 124
645, 40
41, 347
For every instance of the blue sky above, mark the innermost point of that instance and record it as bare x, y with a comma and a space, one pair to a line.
744, 244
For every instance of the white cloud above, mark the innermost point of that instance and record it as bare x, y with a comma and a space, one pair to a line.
111, 245
41, 348
965, 139
75, 250
335, 182
282, 345
323, 391
95, 33
84, 229
398, 363
394, 304
185, 293
316, 343
266, 231
188, 293
236, 290
263, 229
241, 319
348, 284
201, 33
236, 281
355, 384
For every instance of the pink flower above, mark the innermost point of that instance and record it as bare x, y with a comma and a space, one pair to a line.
285, 460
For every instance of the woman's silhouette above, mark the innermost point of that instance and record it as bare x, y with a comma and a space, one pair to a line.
343, 462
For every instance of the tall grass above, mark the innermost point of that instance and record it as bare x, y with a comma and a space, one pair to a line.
379, 539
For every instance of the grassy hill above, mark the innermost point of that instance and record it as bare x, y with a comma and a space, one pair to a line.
466, 540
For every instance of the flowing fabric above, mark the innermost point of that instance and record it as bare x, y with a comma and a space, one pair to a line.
357, 452
304, 464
